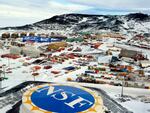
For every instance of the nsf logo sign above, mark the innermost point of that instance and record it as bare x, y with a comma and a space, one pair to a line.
62, 99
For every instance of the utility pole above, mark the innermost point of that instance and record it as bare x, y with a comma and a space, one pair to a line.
34, 78
122, 87
0, 79
123, 83
8, 62
4, 70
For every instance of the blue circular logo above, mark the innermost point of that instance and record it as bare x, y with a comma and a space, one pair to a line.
62, 99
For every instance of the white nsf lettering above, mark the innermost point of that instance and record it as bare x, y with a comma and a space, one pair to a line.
39, 90
50, 90
80, 101
64, 96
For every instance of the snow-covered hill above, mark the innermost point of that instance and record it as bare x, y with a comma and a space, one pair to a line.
136, 22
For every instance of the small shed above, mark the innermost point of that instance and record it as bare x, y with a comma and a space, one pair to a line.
69, 68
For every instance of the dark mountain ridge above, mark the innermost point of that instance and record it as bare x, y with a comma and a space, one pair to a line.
87, 22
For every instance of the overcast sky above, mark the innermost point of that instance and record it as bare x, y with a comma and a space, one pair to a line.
20, 12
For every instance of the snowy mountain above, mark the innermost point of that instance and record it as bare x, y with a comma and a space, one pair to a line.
136, 22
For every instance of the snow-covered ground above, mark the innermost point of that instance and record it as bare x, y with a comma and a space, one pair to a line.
24, 73
134, 105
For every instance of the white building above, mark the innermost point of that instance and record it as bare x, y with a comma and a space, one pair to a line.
15, 50
31, 51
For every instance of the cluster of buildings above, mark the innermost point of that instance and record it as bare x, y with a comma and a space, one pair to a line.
56, 48
83, 57
141, 41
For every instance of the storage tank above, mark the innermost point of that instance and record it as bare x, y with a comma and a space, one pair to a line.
14, 35
31, 34
23, 34
5, 35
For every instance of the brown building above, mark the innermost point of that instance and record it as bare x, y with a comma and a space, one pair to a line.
56, 45
132, 54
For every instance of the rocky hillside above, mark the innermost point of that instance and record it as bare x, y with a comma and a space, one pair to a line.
136, 22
